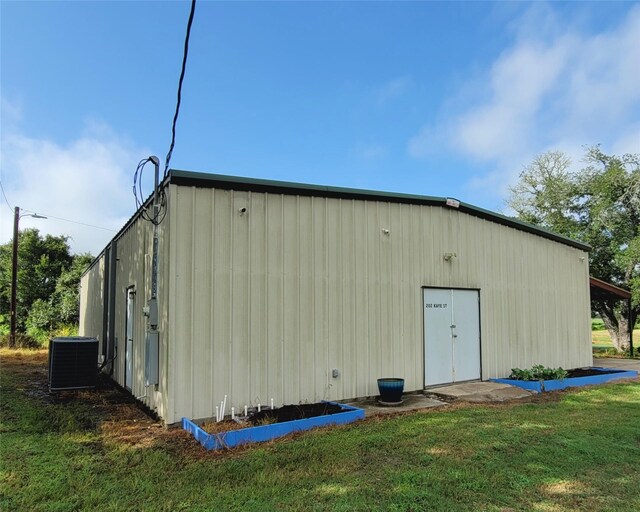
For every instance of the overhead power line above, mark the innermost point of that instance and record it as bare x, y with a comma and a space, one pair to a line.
69, 220
182, 72
5, 198
52, 216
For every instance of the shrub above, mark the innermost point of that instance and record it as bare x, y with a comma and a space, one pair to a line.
41, 316
43, 335
40, 335
64, 330
538, 372
5, 325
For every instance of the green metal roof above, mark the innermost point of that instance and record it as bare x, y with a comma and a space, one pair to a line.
199, 179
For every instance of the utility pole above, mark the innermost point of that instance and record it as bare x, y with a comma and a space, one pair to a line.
14, 277
14, 272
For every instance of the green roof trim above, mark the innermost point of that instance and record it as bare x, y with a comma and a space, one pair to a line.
205, 180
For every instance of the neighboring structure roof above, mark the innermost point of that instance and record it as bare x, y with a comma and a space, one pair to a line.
601, 290
198, 179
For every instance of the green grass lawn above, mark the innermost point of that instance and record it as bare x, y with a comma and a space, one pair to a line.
565, 451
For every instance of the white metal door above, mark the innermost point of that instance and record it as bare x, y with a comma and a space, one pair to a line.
451, 335
466, 335
128, 349
438, 348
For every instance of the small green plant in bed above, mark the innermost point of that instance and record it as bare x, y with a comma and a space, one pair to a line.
538, 372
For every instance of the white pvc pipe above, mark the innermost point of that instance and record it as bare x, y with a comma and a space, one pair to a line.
233, 413
217, 413
221, 412
272, 403
224, 406
245, 410
258, 407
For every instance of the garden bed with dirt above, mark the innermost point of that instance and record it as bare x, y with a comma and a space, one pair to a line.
269, 416
269, 424
588, 372
572, 378
293, 412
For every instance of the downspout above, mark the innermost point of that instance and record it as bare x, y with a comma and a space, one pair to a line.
111, 346
105, 304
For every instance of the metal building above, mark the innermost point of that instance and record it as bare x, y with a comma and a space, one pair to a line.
302, 293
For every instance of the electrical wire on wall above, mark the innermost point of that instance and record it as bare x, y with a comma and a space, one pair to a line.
155, 219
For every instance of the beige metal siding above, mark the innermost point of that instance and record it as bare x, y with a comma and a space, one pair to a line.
133, 269
92, 301
266, 303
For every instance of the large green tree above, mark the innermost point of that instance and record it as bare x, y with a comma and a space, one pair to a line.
48, 280
598, 204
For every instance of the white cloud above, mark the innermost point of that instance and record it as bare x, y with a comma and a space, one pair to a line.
555, 87
393, 89
520, 79
429, 140
11, 113
88, 180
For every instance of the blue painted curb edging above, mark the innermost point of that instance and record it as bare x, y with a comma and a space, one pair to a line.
553, 385
233, 438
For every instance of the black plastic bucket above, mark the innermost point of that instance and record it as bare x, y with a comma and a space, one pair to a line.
391, 389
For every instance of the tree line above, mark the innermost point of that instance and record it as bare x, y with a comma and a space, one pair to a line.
48, 293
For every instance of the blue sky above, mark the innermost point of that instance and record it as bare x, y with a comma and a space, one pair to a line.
445, 99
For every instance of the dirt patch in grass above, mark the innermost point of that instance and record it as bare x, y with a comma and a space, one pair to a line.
23, 361
565, 487
132, 428
107, 410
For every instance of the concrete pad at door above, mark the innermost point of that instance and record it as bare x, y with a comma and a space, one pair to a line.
412, 402
479, 392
